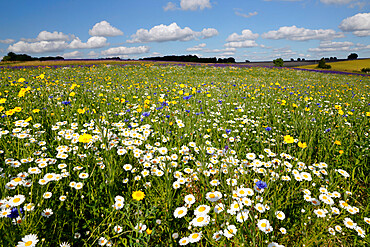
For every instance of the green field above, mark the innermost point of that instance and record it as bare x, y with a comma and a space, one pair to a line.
352, 66
149, 155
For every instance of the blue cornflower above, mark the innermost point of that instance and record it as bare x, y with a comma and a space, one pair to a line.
268, 128
146, 114
327, 130
228, 131
261, 185
14, 213
187, 97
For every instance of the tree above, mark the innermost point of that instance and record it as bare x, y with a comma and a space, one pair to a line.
279, 62
323, 65
352, 56
299, 59
292, 59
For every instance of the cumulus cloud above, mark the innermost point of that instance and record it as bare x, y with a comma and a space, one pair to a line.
250, 14
197, 47
226, 50
242, 44
302, 34
93, 42
7, 41
328, 46
125, 50
172, 32
38, 47
246, 35
358, 24
194, 4
208, 33
73, 54
336, 1
48, 36
104, 29
170, 6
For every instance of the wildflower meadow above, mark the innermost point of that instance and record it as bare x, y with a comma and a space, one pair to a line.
149, 154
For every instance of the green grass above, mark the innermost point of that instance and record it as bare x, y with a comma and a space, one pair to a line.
353, 66
75, 139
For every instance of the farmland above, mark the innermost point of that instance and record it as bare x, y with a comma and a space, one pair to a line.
351, 66
150, 155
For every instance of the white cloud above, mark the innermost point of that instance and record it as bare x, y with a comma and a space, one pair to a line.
226, 54
155, 54
336, 1
302, 34
358, 24
7, 41
197, 47
93, 42
242, 44
246, 35
172, 32
328, 46
125, 50
48, 36
195, 4
226, 50
208, 33
38, 47
73, 54
250, 14
170, 6
93, 54
104, 29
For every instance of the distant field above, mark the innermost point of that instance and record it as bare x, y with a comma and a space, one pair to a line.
64, 62
345, 66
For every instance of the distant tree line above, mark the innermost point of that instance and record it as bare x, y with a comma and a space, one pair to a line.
24, 57
191, 58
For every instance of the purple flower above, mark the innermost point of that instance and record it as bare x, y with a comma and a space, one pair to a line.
146, 114
268, 128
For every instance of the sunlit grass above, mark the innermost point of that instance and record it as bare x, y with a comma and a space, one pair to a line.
345, 66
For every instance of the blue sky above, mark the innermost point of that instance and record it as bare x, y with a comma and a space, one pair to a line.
255, 30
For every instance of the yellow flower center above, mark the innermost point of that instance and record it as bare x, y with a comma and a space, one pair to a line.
28, 243
195, 235
201, 209
16, 200
212, 196
181, 212
200, 219
263, 224
17, 179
